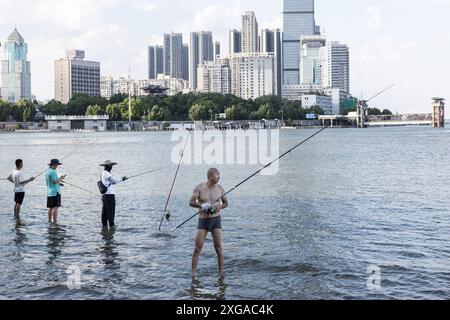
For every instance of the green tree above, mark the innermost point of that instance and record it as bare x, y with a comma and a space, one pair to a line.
95, 111
5, 110
137, 109
236, 112
263, 110
114, 113
292, 110
269, 111
254, 115
117, 98
315, 109
387, 112
202, 111
374, 112
160, 114
28, 113
55, 108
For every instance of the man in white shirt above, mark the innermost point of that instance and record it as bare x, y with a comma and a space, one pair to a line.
19, 186
109, 198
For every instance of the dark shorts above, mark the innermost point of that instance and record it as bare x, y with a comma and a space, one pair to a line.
18, 197
54, 202
210, 224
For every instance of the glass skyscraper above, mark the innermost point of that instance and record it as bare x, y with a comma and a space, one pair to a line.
298, 20
16, 73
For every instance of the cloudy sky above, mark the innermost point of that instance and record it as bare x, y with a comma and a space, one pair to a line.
406, 42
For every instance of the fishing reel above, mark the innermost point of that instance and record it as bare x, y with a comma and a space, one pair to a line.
212, 211
167, 215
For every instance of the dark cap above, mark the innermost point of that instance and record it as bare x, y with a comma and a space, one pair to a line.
55, 162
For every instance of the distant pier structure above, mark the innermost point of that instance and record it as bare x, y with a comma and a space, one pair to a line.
438, 113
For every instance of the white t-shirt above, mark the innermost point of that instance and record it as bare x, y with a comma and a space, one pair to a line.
109, 182
16, 175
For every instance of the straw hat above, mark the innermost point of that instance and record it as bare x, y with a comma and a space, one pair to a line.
108, 163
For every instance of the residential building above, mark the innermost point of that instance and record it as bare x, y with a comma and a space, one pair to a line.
74, 75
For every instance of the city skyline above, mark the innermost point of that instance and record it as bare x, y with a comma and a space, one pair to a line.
385, 48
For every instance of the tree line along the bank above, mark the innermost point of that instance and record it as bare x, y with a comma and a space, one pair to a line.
179, 107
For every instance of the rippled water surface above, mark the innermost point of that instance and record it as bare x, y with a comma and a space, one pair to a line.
347, 200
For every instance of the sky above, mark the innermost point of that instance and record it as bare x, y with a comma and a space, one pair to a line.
401, 42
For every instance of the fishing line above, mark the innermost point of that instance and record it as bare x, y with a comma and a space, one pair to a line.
148, 172
86, 190
63, 158
166, 213
253, 175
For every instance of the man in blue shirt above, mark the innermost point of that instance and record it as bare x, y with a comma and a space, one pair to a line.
53, 190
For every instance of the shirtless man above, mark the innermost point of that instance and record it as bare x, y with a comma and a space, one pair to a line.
210, 217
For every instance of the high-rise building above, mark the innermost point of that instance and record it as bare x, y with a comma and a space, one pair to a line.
173, 55
155, 61
270, 41
234, 41
266, 41
298, 21
214, 77
185, 75
16, 70
201, 50
336, 66
75, 75
216, 49
253, 75
250, 32
311, 59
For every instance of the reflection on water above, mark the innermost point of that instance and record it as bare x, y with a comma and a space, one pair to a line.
200, 291
56, 238
21, 237
110, 254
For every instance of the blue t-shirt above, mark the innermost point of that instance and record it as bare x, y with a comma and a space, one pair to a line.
52, 188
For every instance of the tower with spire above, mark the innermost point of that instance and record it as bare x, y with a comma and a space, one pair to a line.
15, 70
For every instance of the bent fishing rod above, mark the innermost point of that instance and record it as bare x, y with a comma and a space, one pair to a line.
166, 213
253, 175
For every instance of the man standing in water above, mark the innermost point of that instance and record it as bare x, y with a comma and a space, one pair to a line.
210, 217
109, 198
53, 190
19, 186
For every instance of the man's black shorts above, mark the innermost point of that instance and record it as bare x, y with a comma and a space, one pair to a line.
210, 224
54, 202
18, 197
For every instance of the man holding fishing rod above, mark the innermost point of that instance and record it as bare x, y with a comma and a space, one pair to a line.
53, 190
205, 198
107, 186
19, 186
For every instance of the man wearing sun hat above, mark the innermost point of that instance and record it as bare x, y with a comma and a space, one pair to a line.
53, 190
109, 198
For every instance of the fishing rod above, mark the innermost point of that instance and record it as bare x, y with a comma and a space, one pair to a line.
145, 173
280, 157
62, 159
254, 174
381, 92
166, 213
75, 186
